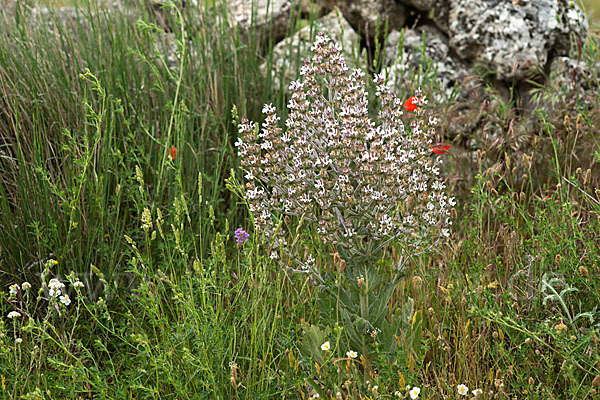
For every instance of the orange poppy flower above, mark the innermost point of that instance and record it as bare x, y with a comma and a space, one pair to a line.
409, 105
440, 149
172, 152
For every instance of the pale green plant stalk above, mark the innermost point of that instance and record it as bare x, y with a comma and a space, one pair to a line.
361, 185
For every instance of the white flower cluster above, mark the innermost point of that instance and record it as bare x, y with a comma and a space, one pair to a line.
358, 180
56, 288
13, 314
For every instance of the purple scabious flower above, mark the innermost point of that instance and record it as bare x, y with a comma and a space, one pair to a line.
241, 236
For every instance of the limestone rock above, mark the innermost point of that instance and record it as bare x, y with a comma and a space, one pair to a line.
363, 14
423, 5
297, 47
441, 15
574, 23
266, 16
513, 39
436, 10
315, 7
570, 74
450, 70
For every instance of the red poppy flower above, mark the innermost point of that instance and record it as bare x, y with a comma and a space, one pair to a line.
172, 152
409, 105
440, 149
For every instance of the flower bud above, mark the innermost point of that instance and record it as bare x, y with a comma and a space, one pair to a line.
560, 328
567, 122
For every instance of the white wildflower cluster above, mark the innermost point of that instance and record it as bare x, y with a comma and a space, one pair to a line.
55, 287
13, 315
360, 181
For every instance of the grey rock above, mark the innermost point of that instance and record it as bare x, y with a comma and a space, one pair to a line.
569, 74
297, 47
423, 5
513, 39
315, 7
441, 15
574, 25
449, 70
363, 15
265, 16
437, 10
78, 21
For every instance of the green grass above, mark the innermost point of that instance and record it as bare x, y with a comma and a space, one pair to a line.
172, 308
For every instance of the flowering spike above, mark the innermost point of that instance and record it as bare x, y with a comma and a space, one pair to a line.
357, 179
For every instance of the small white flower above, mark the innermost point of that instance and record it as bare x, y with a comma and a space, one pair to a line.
13, 289
325, 346
65, 300
78, 284
477, 392
268, 109
55, 284
56, 287
13, 314
414, 392
274, 255
352, 354
18, 340
26, 286
463, 390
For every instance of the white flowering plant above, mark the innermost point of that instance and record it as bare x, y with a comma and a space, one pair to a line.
361, 185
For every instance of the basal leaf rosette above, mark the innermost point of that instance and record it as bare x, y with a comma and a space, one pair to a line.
362, 183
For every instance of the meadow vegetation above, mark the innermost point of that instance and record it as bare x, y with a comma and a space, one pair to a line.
126, 270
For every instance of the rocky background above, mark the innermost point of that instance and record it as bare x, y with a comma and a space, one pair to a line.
512, 41
481, 62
